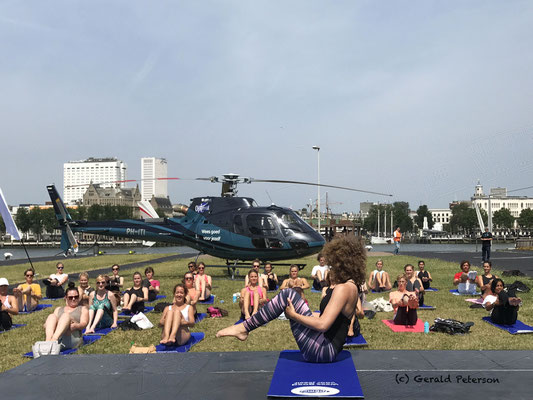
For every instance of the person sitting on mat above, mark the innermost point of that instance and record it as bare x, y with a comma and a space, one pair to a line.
379, 280
151, 284
28, 294
115, 282
423, 275
177, 319
319, 273
203, 283
192, 268
65, 324
485, 281
54, 284
320, 338
502, 305
8, 306
414, 284
84, 289
465, 280
294, 281
253, 296
269, 277
405, 303
256, 264
103, 307
192, 293
135, 296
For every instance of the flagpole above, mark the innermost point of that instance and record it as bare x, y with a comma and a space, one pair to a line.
27, 255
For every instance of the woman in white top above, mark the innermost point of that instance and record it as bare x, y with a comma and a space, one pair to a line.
177, 318
379, 280
319, 273
54, 284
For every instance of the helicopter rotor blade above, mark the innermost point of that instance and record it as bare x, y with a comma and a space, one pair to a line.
316, 184
128, 181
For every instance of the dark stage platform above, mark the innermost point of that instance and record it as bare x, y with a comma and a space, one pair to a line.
246, 375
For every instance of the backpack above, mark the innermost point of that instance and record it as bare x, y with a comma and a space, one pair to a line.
127, 325
451, 326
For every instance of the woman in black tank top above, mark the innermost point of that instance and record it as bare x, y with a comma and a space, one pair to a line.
319, 339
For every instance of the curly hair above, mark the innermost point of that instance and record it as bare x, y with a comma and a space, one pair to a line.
347, 257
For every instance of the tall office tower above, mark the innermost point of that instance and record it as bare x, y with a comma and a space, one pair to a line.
152, 168
96, 170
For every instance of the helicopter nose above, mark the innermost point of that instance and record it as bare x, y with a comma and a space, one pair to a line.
298, 244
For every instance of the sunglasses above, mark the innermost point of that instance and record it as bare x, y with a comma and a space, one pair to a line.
60, 267
29, 276
189, 279
73, 297
115, 269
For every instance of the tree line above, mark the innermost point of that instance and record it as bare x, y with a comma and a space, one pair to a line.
39, 221
463, 219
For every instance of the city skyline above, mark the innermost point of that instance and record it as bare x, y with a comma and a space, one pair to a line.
419, 99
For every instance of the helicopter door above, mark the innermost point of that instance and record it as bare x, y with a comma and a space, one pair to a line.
264, 231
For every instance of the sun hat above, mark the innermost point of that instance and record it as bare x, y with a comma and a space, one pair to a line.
4, 282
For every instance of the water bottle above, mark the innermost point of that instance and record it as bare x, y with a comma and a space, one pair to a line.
426, 327
221, 301
234, 297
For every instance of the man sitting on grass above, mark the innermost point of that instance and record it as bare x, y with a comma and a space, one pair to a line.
465, 280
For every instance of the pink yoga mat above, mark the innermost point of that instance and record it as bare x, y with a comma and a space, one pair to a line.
419, 327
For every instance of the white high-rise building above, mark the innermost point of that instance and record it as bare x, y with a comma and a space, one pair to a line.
77, 175
152, 168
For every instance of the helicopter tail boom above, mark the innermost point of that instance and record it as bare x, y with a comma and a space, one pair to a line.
68, 241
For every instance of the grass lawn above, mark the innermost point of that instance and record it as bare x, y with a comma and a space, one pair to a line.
277, 336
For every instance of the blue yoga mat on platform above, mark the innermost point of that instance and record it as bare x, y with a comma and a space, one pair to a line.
431, 289
14, 326
517, 328
456, 293
146, 311
427, 307
210, 300
184, 348
86, 340
38, 308
293, 377
355, 341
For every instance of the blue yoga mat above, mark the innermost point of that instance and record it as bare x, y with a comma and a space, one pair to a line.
104, 331
158, 297
14, 326
431, 289
86, 340
184, 348
146, 311
293, 377
456, 293
38, 308
355, 341
199, 317
210, 300
313, 290
53, 299
383, 291
517, 328
427, 307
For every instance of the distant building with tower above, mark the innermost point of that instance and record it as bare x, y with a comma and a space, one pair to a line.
500, 199
77, 175
151, 169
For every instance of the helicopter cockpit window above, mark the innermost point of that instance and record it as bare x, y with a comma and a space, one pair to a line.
290, 223
237, 225
261, 225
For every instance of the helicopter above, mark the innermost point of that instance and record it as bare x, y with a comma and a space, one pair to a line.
229, 227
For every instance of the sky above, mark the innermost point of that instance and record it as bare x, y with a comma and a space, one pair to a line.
420, 99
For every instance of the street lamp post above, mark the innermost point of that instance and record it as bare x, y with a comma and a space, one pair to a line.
317, 148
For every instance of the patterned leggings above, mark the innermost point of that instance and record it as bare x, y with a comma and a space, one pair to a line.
314, 346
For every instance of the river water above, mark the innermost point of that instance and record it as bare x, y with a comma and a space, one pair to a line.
18, 253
